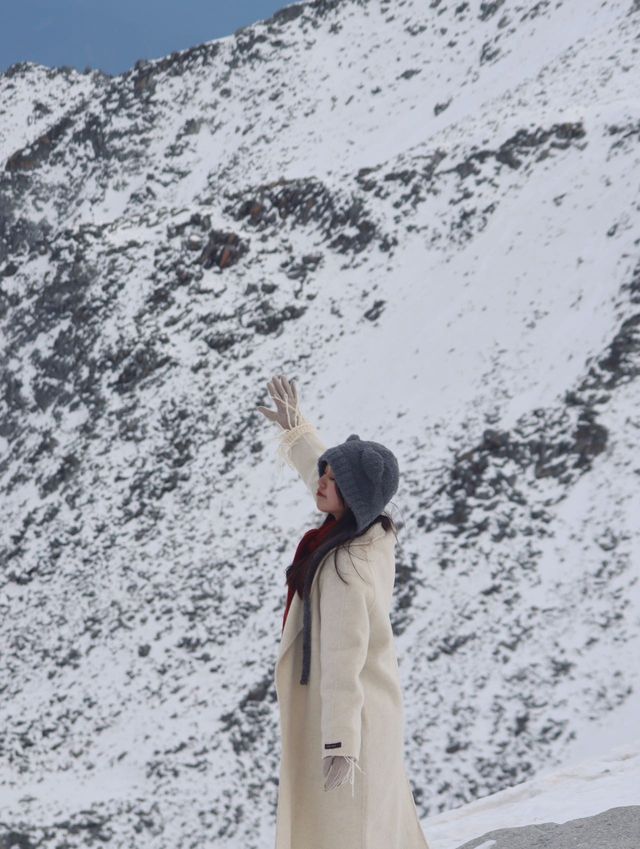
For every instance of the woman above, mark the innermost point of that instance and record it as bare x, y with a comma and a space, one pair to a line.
336, 674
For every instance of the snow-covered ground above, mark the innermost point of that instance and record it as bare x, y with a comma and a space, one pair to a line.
601, 771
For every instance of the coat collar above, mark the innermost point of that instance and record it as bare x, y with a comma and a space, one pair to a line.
295, 617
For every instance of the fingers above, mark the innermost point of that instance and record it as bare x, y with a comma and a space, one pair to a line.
280, 398
337, 774
291, 387
284, 393
274, 390
270, 414
326, 765
329, 776
283, 386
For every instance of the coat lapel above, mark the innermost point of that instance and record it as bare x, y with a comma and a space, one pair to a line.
295, 616
295, 620
292, 626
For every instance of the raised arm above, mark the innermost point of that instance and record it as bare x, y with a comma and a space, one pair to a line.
300, 445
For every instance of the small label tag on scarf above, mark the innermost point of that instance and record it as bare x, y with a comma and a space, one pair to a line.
332, 745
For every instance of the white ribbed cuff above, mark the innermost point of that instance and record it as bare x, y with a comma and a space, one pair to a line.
289, 437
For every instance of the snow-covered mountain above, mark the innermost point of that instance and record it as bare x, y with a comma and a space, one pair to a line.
429, 215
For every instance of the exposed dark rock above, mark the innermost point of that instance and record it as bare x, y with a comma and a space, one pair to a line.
222, 249
375, 311
21, 235
86, 829
289, 13
622, 360
201, 222
9, 270
297, 269
92, 132
534, 11
191, 127
550, 443
589, 438
411, 187
489, 52
513, 151
39, 151
302, 203
161, 297
144, 73
142, 363
248, 721
221, 342
272, 321
15, 840
456, 746
488, 9
449, 645
415, 29
245, 42
12, 396
66, 470
478, 474
406, 585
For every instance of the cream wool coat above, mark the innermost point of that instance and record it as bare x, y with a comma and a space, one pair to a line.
352, 704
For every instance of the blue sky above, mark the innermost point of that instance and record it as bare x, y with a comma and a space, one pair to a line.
113, 34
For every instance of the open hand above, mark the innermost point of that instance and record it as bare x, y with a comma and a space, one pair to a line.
336, 771
285, 395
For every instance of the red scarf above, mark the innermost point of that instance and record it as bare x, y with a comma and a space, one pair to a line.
309, 542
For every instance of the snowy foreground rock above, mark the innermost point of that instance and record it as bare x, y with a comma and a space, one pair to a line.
592, 805
428, 214
618, 828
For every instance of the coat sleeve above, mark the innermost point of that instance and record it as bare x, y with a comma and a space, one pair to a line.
344, 642
301, 447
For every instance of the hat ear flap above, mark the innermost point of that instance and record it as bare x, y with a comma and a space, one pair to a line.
373, 465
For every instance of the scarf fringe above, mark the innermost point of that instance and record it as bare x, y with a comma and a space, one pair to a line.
353, 762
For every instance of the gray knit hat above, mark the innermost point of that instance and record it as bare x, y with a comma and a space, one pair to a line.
367, 476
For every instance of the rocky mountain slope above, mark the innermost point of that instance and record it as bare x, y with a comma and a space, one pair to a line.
427, 214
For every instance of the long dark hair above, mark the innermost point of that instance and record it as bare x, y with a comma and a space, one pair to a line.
341, 536
343, 533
